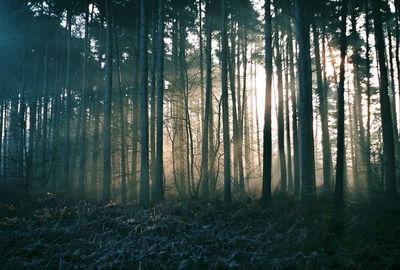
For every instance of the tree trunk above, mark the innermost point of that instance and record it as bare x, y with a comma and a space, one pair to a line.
121, 121
231, 66
201, 59
107, 109
386, 116
392, 95
45, 117
82, 166
55, 125
135, 109
267, 157
153, 97
32, 127
257, 120
180, 121
305, 108
397, 52
361, 150
244, 123
2, 137
144, 114
67, 170
225, 109
96, 139
207, 109
323, 110
367, 65
287, 125
281, 124
296, 157
339, 183
159, 185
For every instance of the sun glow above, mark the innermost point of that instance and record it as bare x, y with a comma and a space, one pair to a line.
259, 93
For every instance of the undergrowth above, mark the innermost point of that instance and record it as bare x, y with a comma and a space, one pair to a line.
51, 234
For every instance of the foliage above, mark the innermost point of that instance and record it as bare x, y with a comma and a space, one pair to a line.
49, 233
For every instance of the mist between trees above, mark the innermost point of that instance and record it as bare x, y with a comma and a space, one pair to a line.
138, 101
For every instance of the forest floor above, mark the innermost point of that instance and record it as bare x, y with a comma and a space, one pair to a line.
51, 234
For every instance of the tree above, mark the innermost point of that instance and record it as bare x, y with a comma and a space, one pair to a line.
340, 112
281, 124
225, 113
368, 72
135, 104
45, 116
122, 120
207, 108
144, 114
267, 157
305, 107
159, 191
67, 170
107, 108
323, 110
296, 158
386, 116
82, 163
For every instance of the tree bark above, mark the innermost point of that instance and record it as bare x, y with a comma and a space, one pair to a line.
281, 124
44, 138
287, 125
121, 121
107, 108
323, 110
159, 185
367, 65
267, 142
67, 170
305, 108
207, 109
225, 108
296, 157
135, 109
339, 184
153, 97
144, 114
82, 165
386, 116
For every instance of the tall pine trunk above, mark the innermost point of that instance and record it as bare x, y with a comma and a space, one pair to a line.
153, 96
296, 157
287, 125
45, 117
207, 110
340, 158
386, 116
159, 186
144, 114
368, 68
82, 165
107, 108
67, 169
305, 108
323, 110
122, 121
225, 108
267, 156
135, 108
281, 123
